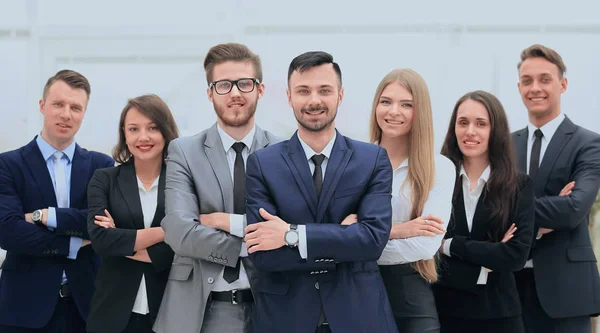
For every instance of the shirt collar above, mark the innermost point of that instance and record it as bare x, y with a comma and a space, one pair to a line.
548, 129
484, 176
47, 150
228, 141
326, 151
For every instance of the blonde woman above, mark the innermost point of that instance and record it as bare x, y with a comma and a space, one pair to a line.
422, 187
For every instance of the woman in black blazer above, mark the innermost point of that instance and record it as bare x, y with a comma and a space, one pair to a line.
491, 229
126, 206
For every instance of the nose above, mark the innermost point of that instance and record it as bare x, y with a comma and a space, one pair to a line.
143, 136
535, 86
315, 100
235, 91
471, 130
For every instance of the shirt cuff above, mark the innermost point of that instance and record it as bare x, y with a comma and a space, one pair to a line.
302, 246
446, 247
236, 225
51, 218
74, 246
483, 274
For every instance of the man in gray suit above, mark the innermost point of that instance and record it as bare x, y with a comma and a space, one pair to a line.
209, 283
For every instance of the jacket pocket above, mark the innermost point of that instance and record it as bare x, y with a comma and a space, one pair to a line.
581, 254
180, 272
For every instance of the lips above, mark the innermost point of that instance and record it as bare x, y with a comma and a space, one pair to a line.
538, 99
394, 122
236, 104
61, 125
470, 143
144, 148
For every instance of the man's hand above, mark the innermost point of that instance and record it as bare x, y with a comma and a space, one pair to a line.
28, 217
563, 193
268, 235
219, 221
543, 231
85, 242
105, 221
350, 219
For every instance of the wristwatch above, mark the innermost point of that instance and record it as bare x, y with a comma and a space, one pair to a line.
291, 236
36, 217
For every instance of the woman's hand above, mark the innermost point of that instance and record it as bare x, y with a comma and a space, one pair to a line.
428, 225
105, 221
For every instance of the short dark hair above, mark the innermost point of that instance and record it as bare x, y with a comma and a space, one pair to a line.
70, 77
311, 59
221, 53
541, 51
157, 110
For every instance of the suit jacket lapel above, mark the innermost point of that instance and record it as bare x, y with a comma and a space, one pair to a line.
460, 216
480, 225
160, 205
298, 164
213, 146
520, 144
128, 186
555, 146
340, 155
39, 170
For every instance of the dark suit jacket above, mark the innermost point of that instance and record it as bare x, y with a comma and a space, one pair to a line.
564, 263
340, 272
457, 293
36, 257
116, 190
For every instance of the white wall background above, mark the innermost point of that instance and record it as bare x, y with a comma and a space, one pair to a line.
128, 48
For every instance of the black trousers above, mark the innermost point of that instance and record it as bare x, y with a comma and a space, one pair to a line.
466, 325
535, 318
138, 324
66, 319
411, 299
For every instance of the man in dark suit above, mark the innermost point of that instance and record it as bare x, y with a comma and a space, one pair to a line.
316, 274
559, 287
48, 276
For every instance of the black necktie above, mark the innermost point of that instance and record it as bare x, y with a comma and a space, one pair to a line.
318, 174
534, 160
231, 274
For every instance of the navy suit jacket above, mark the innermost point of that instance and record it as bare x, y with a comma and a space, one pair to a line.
341, 273
36, 257
564, 265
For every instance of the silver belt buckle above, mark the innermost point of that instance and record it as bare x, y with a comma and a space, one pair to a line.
233, 296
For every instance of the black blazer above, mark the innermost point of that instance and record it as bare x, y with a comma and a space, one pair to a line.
564, 264
457, 293
118, 280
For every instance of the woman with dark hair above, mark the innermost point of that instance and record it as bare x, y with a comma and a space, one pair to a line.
491, 227
125, 208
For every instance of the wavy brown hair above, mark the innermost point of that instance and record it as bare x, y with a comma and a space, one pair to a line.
502, 187
421, 168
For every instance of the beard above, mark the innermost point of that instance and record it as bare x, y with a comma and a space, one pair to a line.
238, 118
316, 126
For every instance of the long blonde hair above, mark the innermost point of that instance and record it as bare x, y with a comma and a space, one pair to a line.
421, 168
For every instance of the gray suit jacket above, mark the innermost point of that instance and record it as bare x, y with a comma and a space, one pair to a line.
198, 181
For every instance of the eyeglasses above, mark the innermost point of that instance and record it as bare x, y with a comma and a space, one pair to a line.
223, 87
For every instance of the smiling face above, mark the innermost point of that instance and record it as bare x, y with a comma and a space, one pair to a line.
395, 111
315, 95
540, 85
143, 137
473, 129
63, 110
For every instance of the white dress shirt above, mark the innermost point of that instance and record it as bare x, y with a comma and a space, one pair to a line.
302, 246
149, 200
471, 197
548, 131
439, 204
236, 221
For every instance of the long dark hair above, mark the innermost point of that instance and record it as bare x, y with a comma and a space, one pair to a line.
503, 185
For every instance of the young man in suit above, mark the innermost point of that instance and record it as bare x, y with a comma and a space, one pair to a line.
559, 287
209, 287
48, 276
317, 275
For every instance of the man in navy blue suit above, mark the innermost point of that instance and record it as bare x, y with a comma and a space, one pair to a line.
318, 274
48, 275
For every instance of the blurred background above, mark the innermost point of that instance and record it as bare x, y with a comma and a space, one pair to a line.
129, 48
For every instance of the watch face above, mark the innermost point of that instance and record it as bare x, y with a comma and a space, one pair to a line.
291, 237
36, 216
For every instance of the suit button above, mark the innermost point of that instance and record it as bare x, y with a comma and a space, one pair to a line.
210, 280
210, 257
225, 261
317, 285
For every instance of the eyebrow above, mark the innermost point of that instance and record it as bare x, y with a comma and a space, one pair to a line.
460, 118
402, 100
321, 86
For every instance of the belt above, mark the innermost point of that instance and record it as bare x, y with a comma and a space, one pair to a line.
64, 291
233, 296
